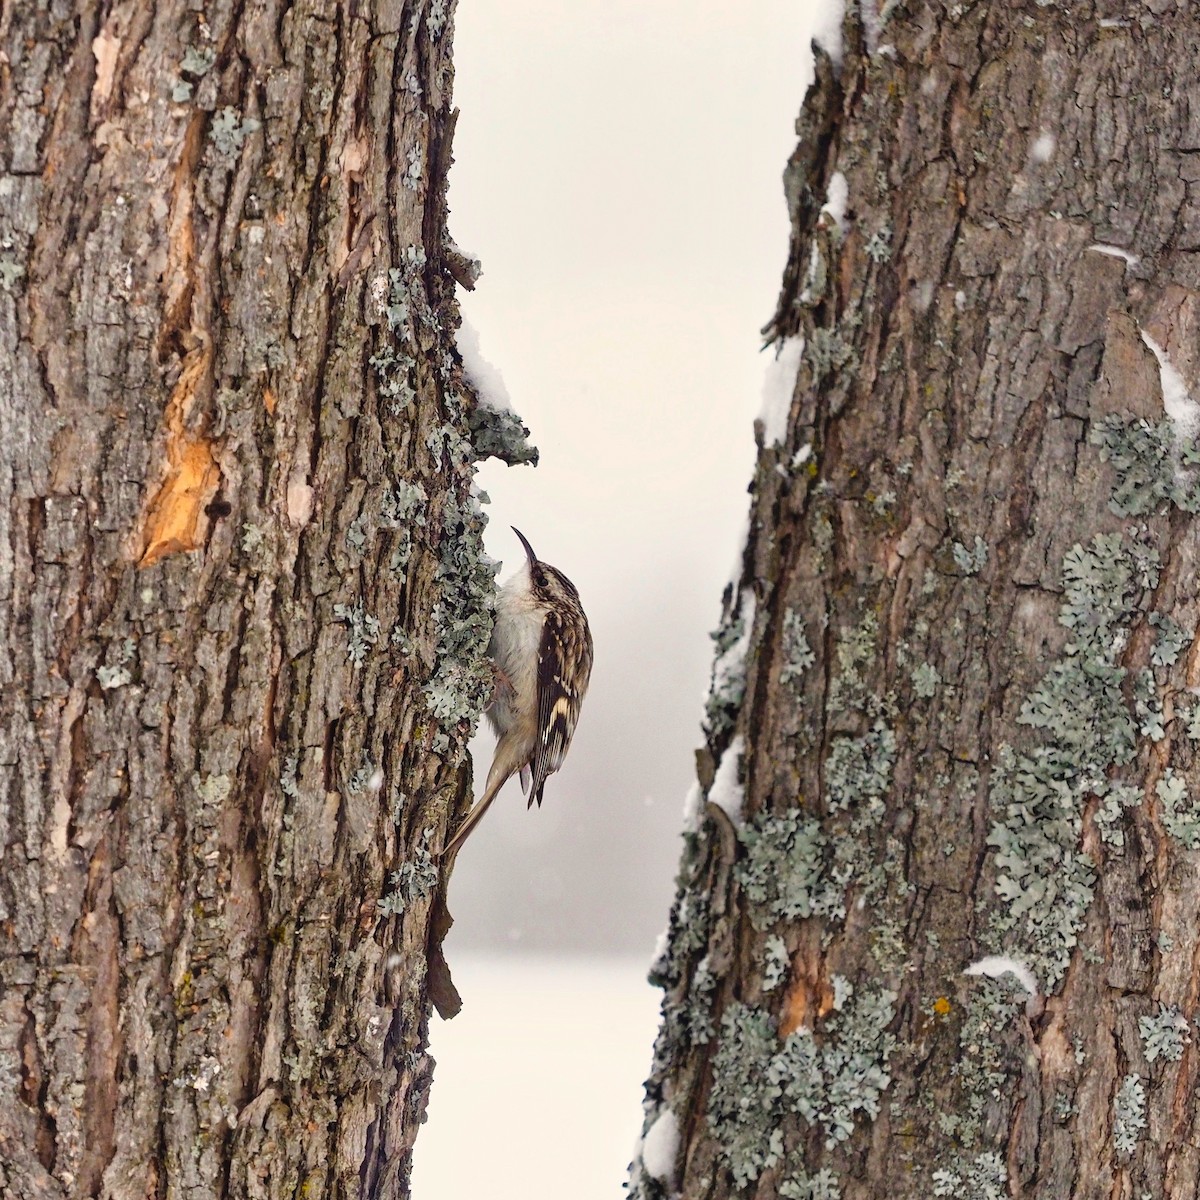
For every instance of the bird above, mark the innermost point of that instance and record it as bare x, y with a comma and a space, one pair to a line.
541, 648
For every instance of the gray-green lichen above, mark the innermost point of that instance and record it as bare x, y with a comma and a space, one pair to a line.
983, 1062
783, 872
1154, 467
1129, 1115
500, 433
926, 680
728, 686
1170, 640
858, 770
1116, 799
827, 1078
798, 655
776, 963
1192, 725
463, 679
229, 129
745, 1104
393, 365
10, 272
821, 1186
1087, 730
362, 627
415, 879
1180, 814
854, 652
828, 353
971, 560
985, 1177
113, 677
1164, 1034
879, 245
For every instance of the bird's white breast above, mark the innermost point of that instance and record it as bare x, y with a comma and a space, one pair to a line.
516, 637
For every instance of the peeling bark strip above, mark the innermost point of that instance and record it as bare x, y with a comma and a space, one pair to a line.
243, 605
936, 929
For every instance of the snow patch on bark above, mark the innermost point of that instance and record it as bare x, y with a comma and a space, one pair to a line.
827, 28
1177, 400
996, 966
1131, 260
837, 200
779, 387
483, 376
726, 792
660, 1147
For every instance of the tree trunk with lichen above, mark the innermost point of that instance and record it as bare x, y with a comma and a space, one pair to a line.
936, 929
243, 605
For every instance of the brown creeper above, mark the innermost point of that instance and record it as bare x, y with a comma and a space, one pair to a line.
542, 650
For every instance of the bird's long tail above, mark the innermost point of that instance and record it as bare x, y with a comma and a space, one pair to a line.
498, 776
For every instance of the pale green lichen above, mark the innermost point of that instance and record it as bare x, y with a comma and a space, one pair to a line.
830, 1079
393, 366
1116, 799
403, 503
362, 627
858, 770
113, 677
925, 680
783, 872
879, 245
1148, 706
776, 963
212, 789
500, 433
1129, 1115
827, 1079
828, 353
10, 272
1170, 640
1080, 708
463, 678
1154, 467
1192, 727
882, 502
744, 1104
415, 879
1180, 815
823, 1185
359, 781
288, 783
970, 560
414, 169
984, 1061
1164, 1034
855, 649
728, 685
983, 1178
229, 129
798, 655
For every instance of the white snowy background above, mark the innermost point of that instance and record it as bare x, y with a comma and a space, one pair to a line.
618, 173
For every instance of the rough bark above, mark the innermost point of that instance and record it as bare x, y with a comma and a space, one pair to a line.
243, 604
955, 680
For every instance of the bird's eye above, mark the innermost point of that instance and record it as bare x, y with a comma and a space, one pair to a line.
539, 577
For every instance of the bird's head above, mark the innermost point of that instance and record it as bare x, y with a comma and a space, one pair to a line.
547, 584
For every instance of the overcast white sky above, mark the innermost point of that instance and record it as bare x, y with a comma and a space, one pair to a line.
617, 169
618, 172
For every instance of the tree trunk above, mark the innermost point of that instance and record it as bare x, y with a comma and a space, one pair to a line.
243, 602
953, 714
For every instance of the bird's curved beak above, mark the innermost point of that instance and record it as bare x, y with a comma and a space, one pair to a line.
524, 542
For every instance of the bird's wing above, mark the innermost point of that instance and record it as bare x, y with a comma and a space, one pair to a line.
558, 699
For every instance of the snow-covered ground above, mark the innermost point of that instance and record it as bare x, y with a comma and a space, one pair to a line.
538, 1085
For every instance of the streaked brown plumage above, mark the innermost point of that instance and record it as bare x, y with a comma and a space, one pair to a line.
542, 650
